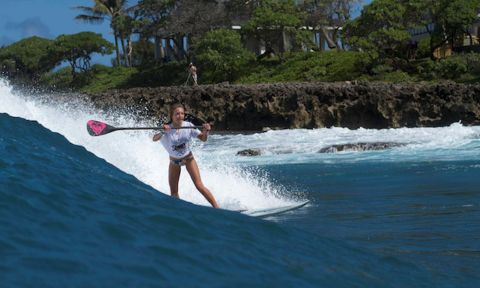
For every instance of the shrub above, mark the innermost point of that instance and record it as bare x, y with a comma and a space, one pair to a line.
450, 68
102, 78
166, 74
221, 56
307, 66
58, 80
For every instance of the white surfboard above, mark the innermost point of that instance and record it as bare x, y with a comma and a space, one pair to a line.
266, 212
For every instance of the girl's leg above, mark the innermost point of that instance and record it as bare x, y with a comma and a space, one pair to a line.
173, 177
192, 169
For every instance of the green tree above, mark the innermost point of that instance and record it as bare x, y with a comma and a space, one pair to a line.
113, 10
273, 17
240, 10
26, 58
125, 26
381, 30
329, 13
193, 18
143, 52
76, 49
222, 55
447, 21
153, 15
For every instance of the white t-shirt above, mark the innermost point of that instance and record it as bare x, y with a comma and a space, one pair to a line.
177, 141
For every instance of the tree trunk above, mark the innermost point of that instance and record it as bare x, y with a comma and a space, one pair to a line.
335, 39
330, 42
179, 52
130, 50
159, 49
72, 64
124, 52
117, 53
432, 48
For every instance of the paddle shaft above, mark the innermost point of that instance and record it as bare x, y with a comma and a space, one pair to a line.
97, 128
153, 128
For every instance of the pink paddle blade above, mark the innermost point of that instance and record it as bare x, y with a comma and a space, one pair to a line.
96, 128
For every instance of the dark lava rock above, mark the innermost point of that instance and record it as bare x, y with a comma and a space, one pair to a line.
249, 152
360, 147
306, 105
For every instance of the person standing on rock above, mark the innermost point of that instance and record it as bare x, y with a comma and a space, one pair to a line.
192, 70
177, 144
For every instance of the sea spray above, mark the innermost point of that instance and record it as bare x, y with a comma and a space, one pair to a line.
135, 153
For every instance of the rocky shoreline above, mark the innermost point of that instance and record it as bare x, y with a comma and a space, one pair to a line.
306, 105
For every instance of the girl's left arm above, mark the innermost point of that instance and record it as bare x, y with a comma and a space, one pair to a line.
205, 130
157, 136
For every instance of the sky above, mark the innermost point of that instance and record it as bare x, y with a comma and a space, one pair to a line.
48, 19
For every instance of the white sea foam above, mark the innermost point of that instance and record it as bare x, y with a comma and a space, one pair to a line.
233, 179
234, 187
303, 145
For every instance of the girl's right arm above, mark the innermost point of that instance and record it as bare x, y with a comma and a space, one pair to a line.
158, 135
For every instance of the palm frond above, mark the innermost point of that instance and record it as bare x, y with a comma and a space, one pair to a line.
90, 18
85, 9
90, 10
102, 6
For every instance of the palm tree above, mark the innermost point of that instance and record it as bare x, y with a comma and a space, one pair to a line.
102, 10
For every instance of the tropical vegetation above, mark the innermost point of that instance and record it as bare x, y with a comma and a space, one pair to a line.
154, 40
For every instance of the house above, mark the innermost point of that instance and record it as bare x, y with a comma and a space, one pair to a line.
174, 46
170, 46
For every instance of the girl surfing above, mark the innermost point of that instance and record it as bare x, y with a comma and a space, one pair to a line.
177, 143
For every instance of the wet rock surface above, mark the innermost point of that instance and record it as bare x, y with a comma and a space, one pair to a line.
249, 152
360, 147
306, 105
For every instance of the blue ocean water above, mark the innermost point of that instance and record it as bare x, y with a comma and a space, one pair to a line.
81, 211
